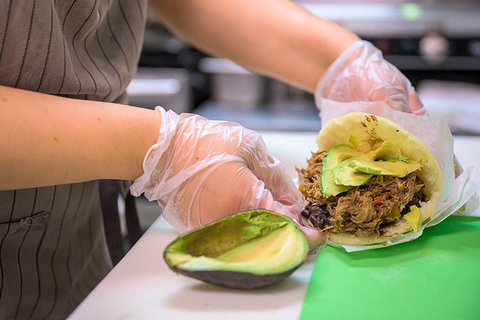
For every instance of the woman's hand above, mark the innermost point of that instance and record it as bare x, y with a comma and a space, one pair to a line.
202, 170
362, 74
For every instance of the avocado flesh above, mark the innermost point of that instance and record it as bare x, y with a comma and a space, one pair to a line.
357, 170
246, 250
345, 175
387, 151
413, 218
335, 156
386, 168
273, 253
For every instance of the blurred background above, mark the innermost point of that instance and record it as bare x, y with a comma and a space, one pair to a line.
436, 44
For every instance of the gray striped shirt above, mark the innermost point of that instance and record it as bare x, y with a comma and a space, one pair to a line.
52, 245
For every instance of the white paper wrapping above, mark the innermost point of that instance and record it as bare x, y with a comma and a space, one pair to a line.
459, 195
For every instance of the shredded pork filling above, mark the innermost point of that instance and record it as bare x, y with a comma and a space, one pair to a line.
362, 210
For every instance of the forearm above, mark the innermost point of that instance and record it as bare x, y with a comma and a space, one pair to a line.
277, 38
47, 140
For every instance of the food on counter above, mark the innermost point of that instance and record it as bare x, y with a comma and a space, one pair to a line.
369, 182
246, 250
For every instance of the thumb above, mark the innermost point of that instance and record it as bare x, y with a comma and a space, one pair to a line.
416, 106
263, 198
316, 239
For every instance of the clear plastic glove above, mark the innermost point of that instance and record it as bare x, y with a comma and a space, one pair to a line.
362, 74
201, 170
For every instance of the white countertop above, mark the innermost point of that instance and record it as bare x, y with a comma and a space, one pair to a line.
142, 286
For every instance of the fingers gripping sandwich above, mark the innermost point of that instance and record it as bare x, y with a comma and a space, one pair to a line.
369, 181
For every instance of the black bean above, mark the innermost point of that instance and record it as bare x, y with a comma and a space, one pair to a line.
318, 216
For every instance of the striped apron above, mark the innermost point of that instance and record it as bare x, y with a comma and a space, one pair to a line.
52, 245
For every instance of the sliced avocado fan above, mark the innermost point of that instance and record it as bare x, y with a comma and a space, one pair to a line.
344, 167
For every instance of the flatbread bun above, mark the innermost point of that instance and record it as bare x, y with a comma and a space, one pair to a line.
366, 132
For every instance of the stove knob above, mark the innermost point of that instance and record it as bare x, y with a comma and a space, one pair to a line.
434, 48
474, 48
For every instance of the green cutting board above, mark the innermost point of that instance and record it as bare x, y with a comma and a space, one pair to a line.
436, 276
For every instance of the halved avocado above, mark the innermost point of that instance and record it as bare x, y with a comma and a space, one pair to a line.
246, 250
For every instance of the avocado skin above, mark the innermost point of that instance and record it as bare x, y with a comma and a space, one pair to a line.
237, 280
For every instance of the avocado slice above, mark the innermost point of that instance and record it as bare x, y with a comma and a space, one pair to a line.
387, 168
246, 250
335, 156
358, 170
413, 218
387, 151
345, 175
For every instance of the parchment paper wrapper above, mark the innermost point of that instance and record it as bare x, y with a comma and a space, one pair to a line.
459, 196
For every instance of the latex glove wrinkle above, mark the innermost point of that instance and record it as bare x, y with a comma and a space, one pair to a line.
362, 74
201, 170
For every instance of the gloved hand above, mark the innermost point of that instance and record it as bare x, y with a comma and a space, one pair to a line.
362, 74
201, 170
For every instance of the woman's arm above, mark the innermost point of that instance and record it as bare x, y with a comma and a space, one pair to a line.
277, 38
48, 140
